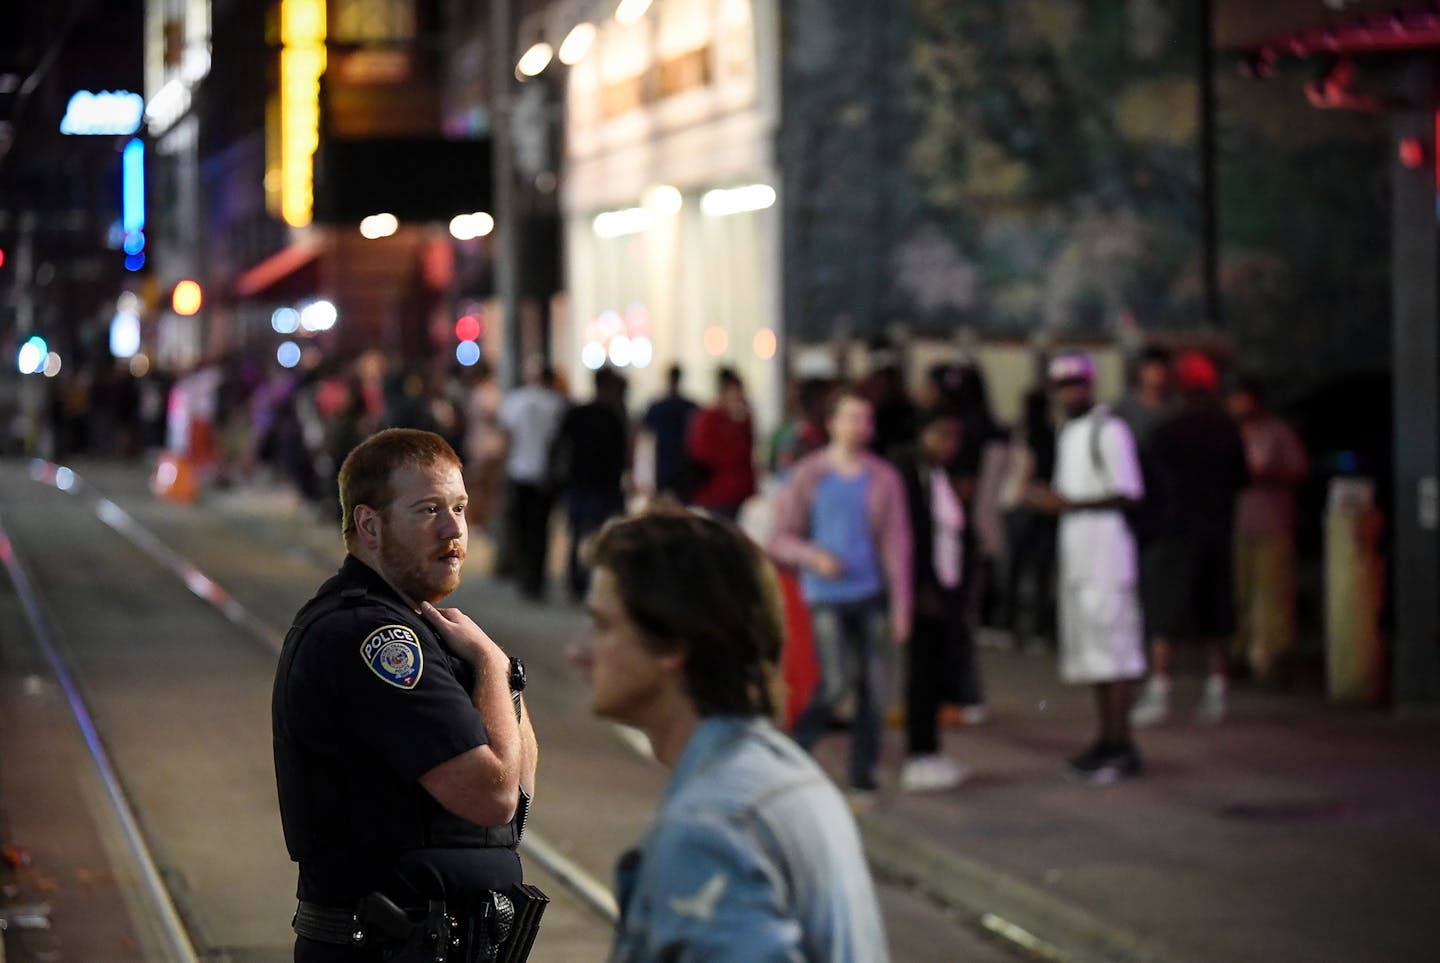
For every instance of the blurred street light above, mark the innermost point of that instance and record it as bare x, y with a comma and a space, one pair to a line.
186, 299
534, 61
124, 334
664, 199
631, 220
378, 226
630, 11
737, 200
285, 320
30, 359
577, 43
318, 316
467, 227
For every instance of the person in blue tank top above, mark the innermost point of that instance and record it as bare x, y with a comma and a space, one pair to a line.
843, 522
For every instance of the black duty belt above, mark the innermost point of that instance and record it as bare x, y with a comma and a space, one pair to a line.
325, 925
501, 929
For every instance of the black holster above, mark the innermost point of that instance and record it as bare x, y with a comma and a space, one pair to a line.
500, 929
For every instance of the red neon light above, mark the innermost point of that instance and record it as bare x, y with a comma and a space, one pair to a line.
1412, 152
1376, 33
468, 328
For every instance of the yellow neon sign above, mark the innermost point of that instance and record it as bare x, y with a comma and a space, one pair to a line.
302, 61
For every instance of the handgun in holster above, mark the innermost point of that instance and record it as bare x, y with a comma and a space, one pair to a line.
501, 929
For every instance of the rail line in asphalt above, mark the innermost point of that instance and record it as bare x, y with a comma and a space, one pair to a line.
177, 943
593, 893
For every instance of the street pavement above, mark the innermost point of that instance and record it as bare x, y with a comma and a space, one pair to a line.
1294, 831
179, 694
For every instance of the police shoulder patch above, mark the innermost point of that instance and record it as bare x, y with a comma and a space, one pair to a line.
393, 653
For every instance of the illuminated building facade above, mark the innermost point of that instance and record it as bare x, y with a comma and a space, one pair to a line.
669, 198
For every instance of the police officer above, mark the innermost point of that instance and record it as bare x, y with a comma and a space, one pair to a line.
404, 756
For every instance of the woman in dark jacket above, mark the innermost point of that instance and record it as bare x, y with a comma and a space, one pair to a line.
940, 644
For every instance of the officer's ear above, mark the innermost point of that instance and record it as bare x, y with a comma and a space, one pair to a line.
367, 524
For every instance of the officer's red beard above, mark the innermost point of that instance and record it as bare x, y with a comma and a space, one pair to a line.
421, 576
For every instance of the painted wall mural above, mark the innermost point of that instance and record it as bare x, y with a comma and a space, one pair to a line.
1017, 165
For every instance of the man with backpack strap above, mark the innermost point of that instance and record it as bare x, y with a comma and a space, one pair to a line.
1100, 628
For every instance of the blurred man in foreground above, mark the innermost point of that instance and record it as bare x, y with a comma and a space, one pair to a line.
754, 854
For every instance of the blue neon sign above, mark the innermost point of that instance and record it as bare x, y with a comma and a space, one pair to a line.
132, 203
132, 168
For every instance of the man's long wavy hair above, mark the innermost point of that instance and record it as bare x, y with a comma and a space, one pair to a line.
366, 473
696, 583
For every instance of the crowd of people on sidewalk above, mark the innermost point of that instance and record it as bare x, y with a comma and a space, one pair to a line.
1105, 538
1110, 537
1105, 535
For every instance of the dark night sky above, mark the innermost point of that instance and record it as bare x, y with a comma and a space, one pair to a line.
72, 45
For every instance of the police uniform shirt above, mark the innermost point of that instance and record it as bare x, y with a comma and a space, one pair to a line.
374, 703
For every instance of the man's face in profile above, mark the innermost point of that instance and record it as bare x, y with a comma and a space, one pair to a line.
423, 532
627, 678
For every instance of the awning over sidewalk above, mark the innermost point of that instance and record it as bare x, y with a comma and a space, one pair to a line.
291, 272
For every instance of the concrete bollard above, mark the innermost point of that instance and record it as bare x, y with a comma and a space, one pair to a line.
1354, 594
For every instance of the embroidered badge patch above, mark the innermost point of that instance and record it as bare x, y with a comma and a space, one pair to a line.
393, 653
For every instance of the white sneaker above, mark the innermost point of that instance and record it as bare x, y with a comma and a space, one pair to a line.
932, 773
1153, 706
1213, 701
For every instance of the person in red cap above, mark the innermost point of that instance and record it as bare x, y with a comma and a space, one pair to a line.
1198, 469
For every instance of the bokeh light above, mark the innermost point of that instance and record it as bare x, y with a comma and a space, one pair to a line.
715, 340
467, 353
592, 355
765, 344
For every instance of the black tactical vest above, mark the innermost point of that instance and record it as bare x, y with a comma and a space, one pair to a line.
330, 809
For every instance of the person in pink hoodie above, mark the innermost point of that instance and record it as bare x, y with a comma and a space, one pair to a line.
842, 521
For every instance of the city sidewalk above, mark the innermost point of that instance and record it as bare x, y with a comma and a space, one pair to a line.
1294, 831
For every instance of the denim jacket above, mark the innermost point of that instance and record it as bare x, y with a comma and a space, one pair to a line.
753, 857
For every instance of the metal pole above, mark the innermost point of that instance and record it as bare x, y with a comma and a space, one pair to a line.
507, 224
1209, 244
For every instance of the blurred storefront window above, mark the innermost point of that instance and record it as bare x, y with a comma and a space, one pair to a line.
672, 229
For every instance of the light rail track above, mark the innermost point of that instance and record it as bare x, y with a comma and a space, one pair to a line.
176, 942
591, 892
